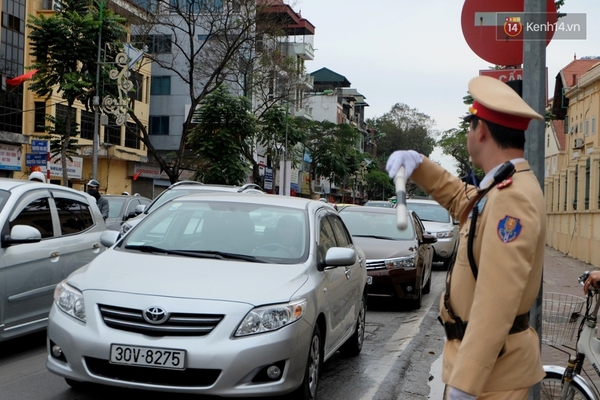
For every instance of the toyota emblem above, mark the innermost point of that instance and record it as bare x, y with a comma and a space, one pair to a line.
155, 315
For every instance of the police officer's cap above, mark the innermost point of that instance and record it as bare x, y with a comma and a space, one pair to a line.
496, 102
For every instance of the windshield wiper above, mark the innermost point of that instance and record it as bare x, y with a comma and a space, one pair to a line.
376, 237
220, 255
147, 248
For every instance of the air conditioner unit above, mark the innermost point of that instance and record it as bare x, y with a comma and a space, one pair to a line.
578, 143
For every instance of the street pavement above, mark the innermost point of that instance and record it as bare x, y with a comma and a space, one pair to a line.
560, 276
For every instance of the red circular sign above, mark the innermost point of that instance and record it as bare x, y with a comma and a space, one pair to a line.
499, 39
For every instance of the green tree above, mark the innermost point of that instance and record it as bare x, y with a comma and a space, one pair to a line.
333, 150
71, 73
222, 137
405, 128
379, 185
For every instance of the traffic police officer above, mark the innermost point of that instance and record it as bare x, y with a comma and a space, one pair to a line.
491, 352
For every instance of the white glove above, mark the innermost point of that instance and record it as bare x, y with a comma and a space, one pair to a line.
457, 394
409, 158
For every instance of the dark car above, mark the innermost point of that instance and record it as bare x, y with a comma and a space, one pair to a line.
121, 208
399, 263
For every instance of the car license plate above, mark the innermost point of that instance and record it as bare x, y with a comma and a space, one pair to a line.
369, 280
147, 356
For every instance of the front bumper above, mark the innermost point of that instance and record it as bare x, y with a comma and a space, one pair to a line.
216, 363
400, 283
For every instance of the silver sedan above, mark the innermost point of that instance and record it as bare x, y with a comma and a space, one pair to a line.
218, 294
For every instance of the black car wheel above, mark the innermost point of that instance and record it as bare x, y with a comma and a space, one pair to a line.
354, 344
308, 388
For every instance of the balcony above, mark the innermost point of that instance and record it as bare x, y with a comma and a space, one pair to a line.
304, 51
306, 81
304, 112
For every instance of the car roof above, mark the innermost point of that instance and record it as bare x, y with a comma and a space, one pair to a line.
372, 210
215, 187
247, 198
430, 201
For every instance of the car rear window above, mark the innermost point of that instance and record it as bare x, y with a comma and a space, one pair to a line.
429, 212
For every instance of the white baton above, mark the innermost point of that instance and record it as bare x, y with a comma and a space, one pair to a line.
401, 214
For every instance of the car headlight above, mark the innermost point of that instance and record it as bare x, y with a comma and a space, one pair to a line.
271, 318
445, 235
401, 262
70, 300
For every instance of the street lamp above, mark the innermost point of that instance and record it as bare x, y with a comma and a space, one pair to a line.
96, 100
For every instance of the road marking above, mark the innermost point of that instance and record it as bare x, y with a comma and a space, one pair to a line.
401, 338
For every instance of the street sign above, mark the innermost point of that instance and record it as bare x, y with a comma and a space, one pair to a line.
33, 159
494, 29
40, 146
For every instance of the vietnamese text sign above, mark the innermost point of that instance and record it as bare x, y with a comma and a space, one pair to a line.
35, 159
10, 157
40, 146
74, 168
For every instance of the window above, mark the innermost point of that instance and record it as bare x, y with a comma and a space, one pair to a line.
62, 112
112, 132
157, 44
587, 127
12, 22
341, 234
326, 239
161, 85
593, 125
159, 125
197, 6
132, 136
73, 215
39, 118
138, 86
37, 215
87, 125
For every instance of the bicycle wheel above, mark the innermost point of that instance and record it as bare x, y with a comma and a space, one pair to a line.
551, 387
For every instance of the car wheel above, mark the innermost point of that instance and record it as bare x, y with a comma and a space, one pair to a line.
415, 304
308, 388
354, 344
427, 287
448, 262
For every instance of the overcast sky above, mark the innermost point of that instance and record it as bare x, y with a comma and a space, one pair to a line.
414, 52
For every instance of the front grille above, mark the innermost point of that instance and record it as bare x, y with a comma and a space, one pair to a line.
375, 264
191, 377
178, 324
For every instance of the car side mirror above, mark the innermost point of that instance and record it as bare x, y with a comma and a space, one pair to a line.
22, 234
108, 238
429, 239
138, 210
339, 256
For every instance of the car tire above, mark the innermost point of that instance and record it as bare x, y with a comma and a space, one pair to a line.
415, 304
353, 346
312, 371
448, 262
427, 287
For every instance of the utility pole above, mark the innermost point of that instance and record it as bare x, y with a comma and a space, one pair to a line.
96, 101
534, 93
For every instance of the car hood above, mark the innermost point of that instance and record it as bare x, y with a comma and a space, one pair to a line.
188, 277
437, 226
376, 249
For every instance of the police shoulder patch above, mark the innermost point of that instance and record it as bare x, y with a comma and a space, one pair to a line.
509, 228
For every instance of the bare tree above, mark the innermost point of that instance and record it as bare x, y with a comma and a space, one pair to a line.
206, 43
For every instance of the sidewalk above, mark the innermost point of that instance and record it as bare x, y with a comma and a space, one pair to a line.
560, 275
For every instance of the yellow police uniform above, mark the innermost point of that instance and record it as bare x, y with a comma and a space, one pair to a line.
509, 252
496, 354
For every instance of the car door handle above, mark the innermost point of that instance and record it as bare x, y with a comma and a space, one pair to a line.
347, 272
55, 254
96, 246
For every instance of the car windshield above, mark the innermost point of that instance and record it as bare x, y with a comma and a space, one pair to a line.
377, 225
429, 212
223, 230
4, 195
115, 206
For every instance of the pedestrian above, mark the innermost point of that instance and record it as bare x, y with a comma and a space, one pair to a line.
37, 176
93, 187
491, 352
593, 280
